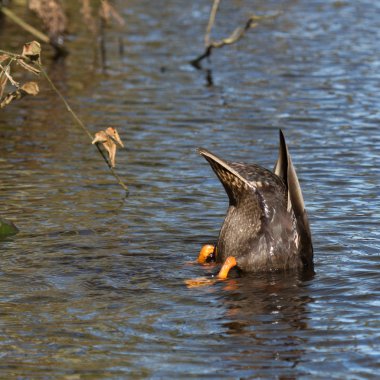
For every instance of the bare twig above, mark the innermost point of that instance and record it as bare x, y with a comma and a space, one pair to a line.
211, 22
235, 36
6, 70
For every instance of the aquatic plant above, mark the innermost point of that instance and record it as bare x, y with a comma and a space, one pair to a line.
7, 228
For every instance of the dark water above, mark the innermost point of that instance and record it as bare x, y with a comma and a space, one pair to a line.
92, 287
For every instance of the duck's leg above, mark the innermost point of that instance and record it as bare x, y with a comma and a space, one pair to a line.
228, 264
207, 252
223, 273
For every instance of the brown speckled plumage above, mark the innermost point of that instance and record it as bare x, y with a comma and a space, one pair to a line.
266, 227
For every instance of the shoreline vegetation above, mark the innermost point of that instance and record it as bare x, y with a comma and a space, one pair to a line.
52, 15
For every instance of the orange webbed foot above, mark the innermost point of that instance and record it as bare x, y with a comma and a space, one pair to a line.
228, 264
207, 252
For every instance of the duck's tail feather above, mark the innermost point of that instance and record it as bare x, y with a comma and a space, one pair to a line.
234, 184
284, 168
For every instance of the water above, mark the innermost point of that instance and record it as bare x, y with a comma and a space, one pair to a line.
93, 285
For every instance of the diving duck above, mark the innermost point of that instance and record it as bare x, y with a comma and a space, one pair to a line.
266, 227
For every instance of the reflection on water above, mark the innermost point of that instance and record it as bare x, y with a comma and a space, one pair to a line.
92, 286
267, 317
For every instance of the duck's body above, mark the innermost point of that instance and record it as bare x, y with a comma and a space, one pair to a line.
258, 229
266, 226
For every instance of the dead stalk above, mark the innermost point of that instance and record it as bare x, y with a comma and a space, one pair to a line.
235, 36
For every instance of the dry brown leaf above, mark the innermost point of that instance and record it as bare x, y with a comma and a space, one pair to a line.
3, 80
31, 88
32, 50
8, 98
109, 139
3, 57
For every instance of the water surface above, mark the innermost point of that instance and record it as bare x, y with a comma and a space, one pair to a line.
92, 286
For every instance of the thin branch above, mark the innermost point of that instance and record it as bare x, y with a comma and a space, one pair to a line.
211, 22
235, 36
6, 73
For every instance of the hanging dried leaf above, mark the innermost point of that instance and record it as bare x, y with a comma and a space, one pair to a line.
109, 139
3, 80
113, 134
8, 98
29, 88
3, 57
32, 50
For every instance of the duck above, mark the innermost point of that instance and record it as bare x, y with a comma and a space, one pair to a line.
266, 228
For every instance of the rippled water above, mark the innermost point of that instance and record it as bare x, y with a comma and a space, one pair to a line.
93, 285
